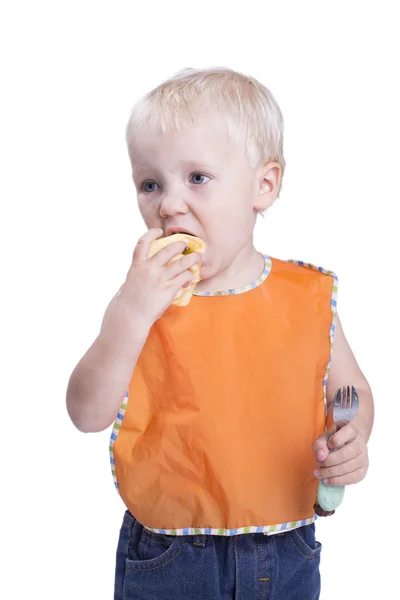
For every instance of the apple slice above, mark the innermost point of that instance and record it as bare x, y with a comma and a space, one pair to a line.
194, 244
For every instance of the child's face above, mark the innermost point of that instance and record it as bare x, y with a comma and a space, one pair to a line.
198, 181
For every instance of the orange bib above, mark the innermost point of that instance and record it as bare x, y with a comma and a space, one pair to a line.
227, 396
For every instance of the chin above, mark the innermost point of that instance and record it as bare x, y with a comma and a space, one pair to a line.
208, 270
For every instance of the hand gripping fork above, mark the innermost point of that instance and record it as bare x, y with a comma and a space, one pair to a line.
345, 407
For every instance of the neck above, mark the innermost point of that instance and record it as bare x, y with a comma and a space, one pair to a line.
246, 267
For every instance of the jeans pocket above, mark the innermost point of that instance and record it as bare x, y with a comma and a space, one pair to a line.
153, 545
148, 550
303, 538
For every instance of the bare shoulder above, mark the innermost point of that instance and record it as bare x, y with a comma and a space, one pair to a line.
345, 369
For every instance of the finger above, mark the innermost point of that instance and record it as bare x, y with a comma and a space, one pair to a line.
320, 445
182, 264
349, 479
166, 254
347, 452
142, 248
343, 469
181, 280
346, 434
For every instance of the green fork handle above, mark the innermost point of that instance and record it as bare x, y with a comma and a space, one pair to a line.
329, 497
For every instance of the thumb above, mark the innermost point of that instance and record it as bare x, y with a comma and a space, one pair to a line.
320, 445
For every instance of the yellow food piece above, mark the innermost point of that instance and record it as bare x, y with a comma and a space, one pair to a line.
194, 244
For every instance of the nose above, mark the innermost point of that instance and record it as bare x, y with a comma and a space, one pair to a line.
173, 204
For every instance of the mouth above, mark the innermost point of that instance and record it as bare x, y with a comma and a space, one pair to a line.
173, 230
191, 246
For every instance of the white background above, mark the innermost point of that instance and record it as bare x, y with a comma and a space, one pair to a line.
70, 72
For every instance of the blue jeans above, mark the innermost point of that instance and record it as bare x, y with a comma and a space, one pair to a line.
253, 566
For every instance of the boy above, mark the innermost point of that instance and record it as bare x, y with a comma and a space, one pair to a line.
220, 441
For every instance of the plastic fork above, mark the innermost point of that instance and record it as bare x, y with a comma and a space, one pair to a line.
345, 407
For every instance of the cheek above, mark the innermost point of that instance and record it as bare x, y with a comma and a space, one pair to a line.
149, 212
235, 218
228, 224
237, 201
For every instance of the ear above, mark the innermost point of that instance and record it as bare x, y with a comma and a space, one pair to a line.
269, 181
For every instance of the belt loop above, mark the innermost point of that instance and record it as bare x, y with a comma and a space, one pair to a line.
199, 540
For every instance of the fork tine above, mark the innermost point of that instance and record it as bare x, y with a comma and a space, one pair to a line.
345, 405
355, 397
337, 400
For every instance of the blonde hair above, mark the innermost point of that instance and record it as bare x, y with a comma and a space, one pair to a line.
252, 114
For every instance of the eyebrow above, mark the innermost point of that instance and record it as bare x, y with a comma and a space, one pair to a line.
141, 171
195, 165
141, 167
198, 164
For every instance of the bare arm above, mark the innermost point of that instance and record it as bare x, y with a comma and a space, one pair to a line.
99, 381
345, 371
349, 463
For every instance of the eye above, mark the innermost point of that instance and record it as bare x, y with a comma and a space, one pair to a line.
198, 178
149, 186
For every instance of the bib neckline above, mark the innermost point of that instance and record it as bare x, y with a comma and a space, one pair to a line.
244, 289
